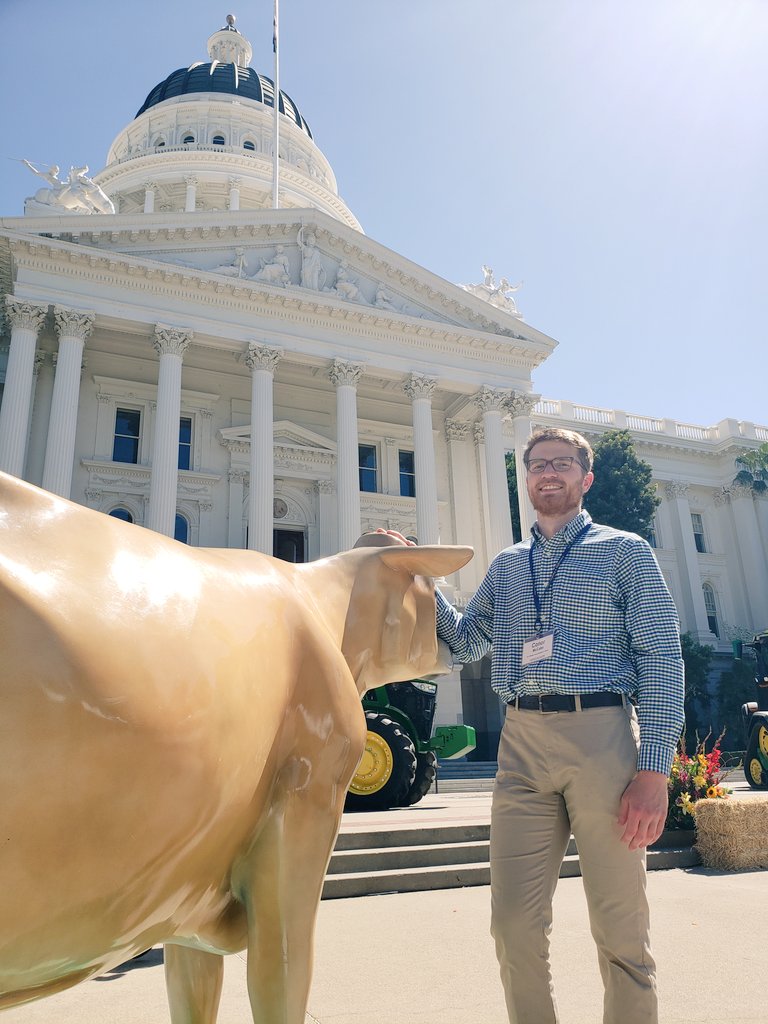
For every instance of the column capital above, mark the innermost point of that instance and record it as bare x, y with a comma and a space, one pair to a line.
418, 385
237, 476
235, 182
150, 186
171, 340
191, 179
262, 357
74, 323
343, 372
492, 399
521, 403
722, 496
28, 315
325, 486
478, 430
676, 489
456, 430
739, 490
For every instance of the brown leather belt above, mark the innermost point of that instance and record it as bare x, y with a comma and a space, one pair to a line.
549, 702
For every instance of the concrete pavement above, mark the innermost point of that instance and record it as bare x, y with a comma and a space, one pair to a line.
427, 957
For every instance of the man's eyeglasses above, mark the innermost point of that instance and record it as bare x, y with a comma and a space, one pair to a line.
560, 465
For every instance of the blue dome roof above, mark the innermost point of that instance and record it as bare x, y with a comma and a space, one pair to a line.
228, 79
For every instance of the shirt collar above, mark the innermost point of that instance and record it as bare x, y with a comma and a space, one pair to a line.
567, 533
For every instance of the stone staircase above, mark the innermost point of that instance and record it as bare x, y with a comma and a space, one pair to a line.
375, 861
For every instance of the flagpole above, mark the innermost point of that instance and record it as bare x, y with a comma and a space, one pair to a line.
276, 154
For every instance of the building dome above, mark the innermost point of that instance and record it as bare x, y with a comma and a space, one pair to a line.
230, 79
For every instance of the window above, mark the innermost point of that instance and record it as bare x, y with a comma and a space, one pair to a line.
698, 532
367, 457
407, 474
181, 529
711, 608
123, 514
185, 443
188, 139
249, 145
125, 447
218, 140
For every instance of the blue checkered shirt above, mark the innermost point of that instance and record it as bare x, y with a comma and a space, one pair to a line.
614, 621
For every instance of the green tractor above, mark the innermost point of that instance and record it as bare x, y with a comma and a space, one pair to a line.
399, 762
755, 714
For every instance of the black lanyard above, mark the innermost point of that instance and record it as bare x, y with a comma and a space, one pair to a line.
539, 597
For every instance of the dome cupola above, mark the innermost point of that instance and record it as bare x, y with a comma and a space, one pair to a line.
212, 124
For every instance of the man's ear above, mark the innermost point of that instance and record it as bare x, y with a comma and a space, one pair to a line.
586, 483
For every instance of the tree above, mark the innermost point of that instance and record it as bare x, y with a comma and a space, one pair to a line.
736, 687
697, 659
753, 469
514, 507
622, 495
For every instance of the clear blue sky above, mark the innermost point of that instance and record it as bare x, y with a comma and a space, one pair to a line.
611, 154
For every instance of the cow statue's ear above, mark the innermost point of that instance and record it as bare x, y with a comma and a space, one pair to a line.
427, 560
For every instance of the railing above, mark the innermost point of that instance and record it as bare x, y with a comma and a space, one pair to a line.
691, 432
646, 423
588, 414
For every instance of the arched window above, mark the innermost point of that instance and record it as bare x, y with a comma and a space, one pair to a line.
122, 513
187, 139
218, 140
249, 145
710, 604
181, 529
159, 141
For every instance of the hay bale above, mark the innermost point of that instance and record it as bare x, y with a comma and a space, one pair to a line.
732, 834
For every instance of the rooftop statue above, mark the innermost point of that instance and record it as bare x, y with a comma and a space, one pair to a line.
179, 728
77, 193
498, 295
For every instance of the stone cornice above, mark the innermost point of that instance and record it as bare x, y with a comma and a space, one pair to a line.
337, 239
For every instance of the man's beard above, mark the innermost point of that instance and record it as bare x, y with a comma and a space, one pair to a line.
558, 503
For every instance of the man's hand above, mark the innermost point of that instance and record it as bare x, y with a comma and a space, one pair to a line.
643, 809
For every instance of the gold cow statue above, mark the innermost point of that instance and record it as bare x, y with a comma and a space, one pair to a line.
178, 728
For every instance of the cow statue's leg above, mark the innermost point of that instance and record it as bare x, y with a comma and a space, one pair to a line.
193, 979
282, 895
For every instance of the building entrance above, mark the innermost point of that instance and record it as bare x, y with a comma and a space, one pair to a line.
288, 545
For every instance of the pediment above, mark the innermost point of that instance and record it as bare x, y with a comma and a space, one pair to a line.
286, 434
298, 256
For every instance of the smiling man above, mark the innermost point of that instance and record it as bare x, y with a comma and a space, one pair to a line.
586, 657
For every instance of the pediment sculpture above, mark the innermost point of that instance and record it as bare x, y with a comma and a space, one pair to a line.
498, 295
77, 193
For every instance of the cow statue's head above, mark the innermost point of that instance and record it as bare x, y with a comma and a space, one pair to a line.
389, 632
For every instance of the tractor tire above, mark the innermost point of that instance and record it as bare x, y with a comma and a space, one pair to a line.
426, 771
387, 768
757, 745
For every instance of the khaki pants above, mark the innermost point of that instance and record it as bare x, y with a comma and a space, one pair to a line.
560, 773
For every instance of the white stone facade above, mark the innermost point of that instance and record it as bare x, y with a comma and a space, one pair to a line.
291, 349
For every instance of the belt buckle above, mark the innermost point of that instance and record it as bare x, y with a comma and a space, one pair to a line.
541, 697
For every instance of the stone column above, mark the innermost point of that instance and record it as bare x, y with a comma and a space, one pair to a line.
149, 196
747, 529
190, 199
693, 613
493, 404
73, 327
420, 389
346, 376
520, 405
236, 494
464, 497
261, 360
170, 344
326, 493
25, 318
234, 193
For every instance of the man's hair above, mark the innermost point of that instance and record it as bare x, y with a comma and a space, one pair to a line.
583, 448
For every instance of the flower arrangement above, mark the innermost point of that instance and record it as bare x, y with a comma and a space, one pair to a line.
696, 776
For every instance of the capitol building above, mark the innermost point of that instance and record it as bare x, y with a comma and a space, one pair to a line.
183, 352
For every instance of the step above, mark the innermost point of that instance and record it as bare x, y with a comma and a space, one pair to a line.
372, 863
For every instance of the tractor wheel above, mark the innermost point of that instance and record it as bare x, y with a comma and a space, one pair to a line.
756, 756
387, 768
426, 770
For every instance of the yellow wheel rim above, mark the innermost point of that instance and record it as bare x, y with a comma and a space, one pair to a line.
756, 771
375, 766
762, 739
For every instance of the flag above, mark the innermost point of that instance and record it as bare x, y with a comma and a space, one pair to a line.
274, 30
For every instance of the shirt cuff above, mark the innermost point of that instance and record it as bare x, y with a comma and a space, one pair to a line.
655, 757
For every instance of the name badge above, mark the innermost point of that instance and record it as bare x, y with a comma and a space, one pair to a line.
538, 648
